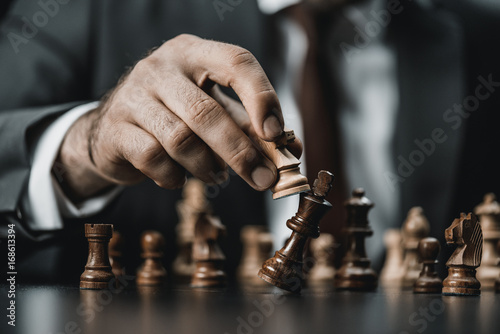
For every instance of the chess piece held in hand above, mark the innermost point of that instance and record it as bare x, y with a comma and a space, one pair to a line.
290, 180
98, 272
207, 255
488, 213
415, 228
356, 272
465, 232
152, 272
284, 270
428, 281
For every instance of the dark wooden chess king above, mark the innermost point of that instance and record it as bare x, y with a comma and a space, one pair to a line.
98, 273
356, 272
466, 233
284, 270
428, 281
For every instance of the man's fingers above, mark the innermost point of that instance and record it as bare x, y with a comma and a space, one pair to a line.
214, 126
240, 116
147, 155
180, 142
234, 67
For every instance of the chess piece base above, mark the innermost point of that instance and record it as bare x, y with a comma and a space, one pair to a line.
209, 274
282, 272
461, 281
291, 191
96, 280
355, 278
428, 285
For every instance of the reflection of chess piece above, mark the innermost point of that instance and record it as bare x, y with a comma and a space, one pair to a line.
322, 250
98, 273
257, 244
116, 245
415, 228
428, 281
356, 272
152, 272
489, 217
207, 255
188, 209
392, 273
465, 232
290, 180
284, 270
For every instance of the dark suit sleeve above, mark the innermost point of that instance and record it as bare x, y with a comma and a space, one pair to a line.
43, 70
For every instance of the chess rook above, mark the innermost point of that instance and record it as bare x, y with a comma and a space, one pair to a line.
290, 180
465, 232
428, 281
98, 273
488, 213
152, 272
284, 270
356, 272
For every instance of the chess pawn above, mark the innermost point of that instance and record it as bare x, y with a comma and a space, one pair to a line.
207, 255
284, 270
290, 180
98, 273
116, 253
356, 272
152, 272
415, 228
322, 250
428, 281
489, 217
465, 232
257, 244
392, 273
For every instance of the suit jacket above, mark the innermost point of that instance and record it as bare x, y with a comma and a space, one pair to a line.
83, 48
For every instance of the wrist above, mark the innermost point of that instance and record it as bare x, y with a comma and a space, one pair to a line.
77, 175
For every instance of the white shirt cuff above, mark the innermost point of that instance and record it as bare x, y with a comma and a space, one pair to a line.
273, 6
47, 202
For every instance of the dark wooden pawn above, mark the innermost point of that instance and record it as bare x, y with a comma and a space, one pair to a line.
428, 281
152, 272
98, 273
356, 272
466, 233
284, 270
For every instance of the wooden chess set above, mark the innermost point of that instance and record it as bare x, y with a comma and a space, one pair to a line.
411, 253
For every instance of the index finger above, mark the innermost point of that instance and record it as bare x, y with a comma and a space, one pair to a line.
235, 67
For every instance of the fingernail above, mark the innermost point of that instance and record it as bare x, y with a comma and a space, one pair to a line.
263, 177
272, 126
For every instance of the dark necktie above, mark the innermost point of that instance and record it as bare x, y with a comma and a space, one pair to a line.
318, 104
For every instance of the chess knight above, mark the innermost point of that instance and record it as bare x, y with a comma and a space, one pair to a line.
466, 233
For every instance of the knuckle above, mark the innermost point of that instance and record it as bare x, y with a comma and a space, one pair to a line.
203, 110
182, 138
239, 56
242, 153
150, 152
